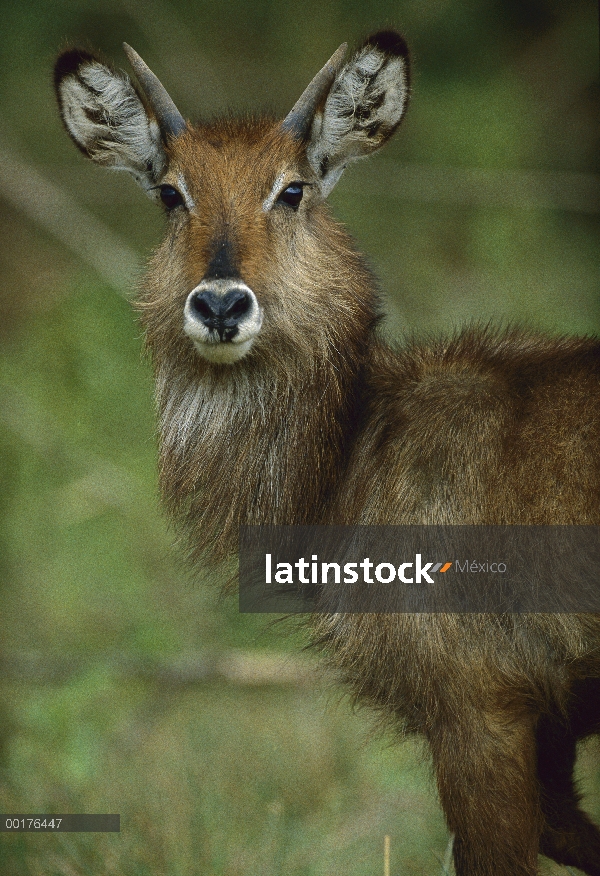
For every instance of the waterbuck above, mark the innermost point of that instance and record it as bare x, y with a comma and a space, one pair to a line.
280, 403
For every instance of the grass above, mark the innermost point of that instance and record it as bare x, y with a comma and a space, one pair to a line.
213, 779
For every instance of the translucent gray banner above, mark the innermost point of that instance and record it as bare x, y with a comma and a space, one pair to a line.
498, 569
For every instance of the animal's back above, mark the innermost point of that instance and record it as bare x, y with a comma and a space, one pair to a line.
487, 427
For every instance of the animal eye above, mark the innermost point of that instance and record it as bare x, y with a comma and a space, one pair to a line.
170, 197
291, 196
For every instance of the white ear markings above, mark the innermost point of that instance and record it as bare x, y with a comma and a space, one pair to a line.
364, 107
106, 118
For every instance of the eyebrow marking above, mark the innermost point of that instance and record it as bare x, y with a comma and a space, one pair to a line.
189, 201
270, 199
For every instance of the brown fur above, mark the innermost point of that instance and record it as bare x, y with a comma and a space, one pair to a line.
322, 422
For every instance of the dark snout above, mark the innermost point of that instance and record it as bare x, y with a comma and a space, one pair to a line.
222, 317
221, 312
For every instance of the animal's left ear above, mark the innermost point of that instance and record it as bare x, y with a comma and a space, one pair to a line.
364, 107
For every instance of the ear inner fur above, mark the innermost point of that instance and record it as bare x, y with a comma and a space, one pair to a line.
365, 105
106, 118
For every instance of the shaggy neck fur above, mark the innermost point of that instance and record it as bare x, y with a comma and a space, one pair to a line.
246, 444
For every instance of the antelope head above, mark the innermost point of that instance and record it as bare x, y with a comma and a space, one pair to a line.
251, 258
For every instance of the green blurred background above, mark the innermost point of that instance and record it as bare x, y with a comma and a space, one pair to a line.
127, 686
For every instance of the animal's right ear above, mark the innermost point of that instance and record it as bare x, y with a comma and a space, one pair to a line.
106, 118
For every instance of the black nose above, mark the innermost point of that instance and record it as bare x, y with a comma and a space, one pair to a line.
221, 312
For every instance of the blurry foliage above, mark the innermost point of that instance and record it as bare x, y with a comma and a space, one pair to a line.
219, 780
